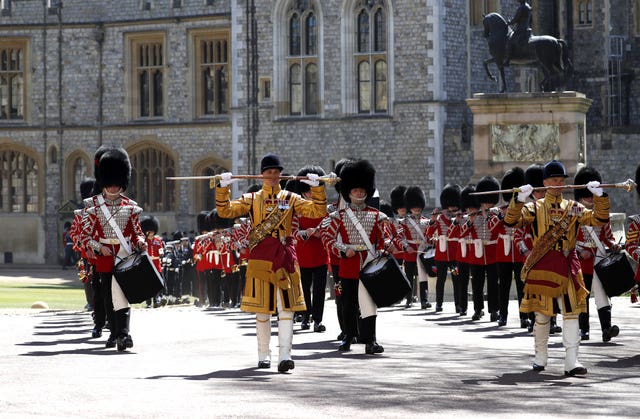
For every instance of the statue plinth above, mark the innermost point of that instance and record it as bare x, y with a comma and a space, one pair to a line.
519, 129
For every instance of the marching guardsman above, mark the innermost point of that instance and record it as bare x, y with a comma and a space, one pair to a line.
312, 257
468, 204
395, 224
356, 234
591, 246
273, 276
508, 258
112, 229
415, 243
552, 275
632, 242
440, 229
482, 257
204, 259
155, 247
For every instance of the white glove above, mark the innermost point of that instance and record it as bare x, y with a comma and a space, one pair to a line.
225, 179
594, 188
525, 191
311, 180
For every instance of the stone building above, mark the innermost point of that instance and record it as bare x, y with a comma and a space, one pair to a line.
197, 87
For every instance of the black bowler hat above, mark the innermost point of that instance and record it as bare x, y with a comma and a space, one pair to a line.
270, 161
554, 169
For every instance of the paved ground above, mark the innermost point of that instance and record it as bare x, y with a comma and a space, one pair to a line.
192, 363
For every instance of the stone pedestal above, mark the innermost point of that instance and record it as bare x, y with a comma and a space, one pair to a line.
519, 129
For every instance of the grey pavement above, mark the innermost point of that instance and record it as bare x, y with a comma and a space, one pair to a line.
187, 362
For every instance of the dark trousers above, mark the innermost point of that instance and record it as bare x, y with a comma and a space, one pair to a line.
199, 286
441, 276
506, 272
478, 275
314, 279
338, 286
411, 270
350, 307
214, 280
105, 279
463, 287
230, 288
99, 310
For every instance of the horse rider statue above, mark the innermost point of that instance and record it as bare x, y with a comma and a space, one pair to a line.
518, 43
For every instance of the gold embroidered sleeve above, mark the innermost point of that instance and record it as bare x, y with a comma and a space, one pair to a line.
231, 209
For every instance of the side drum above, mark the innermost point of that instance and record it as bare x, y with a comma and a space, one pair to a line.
616, 274
138, 277
385, 281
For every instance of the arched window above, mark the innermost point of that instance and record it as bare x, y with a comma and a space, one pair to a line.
80, 173
585, 12
371, 56
205, 199
19, 182
298, 80
148, 186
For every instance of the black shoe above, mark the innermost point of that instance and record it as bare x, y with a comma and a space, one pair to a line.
537, 367
111, 342
502, 321
286, 365
304, 325
124, 342
340, 336
96, 332
524, 323
408, 304
264, 364
427, 305
612, 332
493, 316
477, 315
438, 308
584, 335
576, 371
463, 313
555, 329
373, 348
297, 318
345, 345
319, 327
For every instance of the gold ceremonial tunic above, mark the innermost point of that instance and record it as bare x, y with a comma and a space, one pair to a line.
260, 291
542, 215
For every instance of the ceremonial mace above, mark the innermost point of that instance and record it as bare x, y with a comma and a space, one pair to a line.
628, 185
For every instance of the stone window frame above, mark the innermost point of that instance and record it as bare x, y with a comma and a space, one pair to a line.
311, 91
78, 168
21, 183
479, 8
204, 196
5, 7
7, 47
133, 42
353, 60
151, 163
216, 36
583, 13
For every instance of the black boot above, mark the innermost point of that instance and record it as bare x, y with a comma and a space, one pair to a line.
583, 321
424, 295
124, 340
608, 331
369, 336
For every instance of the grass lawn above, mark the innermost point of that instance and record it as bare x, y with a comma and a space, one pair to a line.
19, 294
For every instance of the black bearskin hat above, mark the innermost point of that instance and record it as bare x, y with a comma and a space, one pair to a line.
397, 198
177, 235
414, 198
357, 174
149, 223
386, 209
533, 175
513, 178
86, 188
450, 196
468, 201
290, 185
338, 168
270, 161
114, 169
488, 184
97, 188
584, 176
202, 219
301, 187
217, 222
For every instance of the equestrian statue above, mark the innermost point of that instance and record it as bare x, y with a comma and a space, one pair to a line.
519, 47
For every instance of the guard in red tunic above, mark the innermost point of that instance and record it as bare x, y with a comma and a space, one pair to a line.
155, 247
468, 204
111, 226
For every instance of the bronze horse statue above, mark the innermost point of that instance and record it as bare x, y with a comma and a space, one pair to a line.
549, 53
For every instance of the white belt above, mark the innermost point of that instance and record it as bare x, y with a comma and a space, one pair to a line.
109, 241
357, 247
486, 242
590, 245
414, 241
